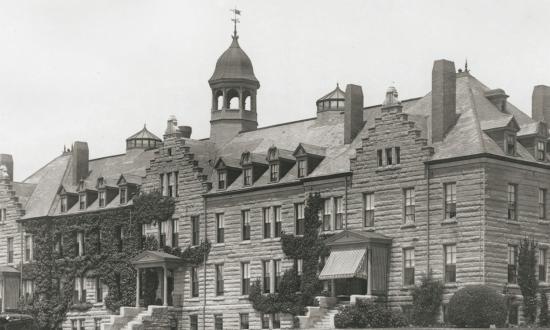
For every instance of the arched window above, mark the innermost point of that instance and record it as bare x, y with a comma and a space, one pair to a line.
218, 100
233, 99
247, 104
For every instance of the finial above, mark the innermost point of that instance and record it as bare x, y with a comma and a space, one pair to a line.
466, 66
337, 85
64, 148
235, 20
144, 125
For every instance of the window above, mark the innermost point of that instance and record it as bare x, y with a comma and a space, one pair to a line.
266, 272
79, 292
27, 289
409, 205
247, 175
450, 200
245, 214
542, 203
169, 151
302, 168
63, 204
98, 290
162, 186
222, 178
397, 155
278, 221
219, 280
195, 230
193, 322
541, 151
369, 210
218, 322
176, 176
327, 214
299, 268
28, 248
265, 321
278, 273
339, 206
408, 266
542, 265
276, 320
59, 245
170, 181
118, 238
10, 250
194, 282
82, 201
379, 158
245, 278
244, 320
123, 196
389, 156
220, 228
266, 212
300, 221
102, 198
450, 263
79, 243
274, 172
510, 144
512, 263
163, 231
512, 202
175, 233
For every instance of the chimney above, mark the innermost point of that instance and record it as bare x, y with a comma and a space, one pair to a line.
171, 128
80, 161
498, 97
443, 114
541, 103
353, 112
7, 161
185, 131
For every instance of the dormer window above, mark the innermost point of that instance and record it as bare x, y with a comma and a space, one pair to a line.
302, 168
274, 172
102, 198
82, 201
247, 176
63, 204
222, 179
123, 195
541, 151
510, 144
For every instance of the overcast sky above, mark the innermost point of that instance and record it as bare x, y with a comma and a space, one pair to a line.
97, 70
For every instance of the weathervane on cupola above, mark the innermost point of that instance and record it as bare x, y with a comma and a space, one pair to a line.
235, 20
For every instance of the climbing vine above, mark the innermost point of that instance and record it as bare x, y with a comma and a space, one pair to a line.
56, 262
296, 292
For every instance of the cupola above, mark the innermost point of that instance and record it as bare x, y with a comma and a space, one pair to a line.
333, 101
143, 140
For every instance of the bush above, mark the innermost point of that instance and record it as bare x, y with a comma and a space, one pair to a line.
427, 298
543, 316
367, 314
477, 306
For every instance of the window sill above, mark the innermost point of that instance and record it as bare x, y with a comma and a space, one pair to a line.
218, 245
407, 287
408, 225
243, 297
512, 222
544, 222
194, 299
451, 221
245, 242
218, 298
512, 286
451, 285
271, 239
388, 168
368, 229
544, 284
98, 304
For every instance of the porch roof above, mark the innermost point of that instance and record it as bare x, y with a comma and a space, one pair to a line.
152, 259
345, 263
8, 270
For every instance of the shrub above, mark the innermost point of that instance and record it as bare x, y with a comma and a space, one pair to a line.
477, 306
427, 298
527, 277
543, 316
367, 314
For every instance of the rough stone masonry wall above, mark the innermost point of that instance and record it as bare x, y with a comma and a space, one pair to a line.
10, 228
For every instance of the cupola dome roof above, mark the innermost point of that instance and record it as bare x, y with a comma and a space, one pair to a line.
234, 64
143, 140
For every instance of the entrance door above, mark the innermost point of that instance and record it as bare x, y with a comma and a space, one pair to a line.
170, 288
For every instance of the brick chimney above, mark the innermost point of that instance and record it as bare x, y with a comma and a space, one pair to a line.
185, 131
7, 161
80, 161
443, 114
541, 103
353, 112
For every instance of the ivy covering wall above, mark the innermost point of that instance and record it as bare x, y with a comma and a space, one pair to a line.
55, 267
296, 292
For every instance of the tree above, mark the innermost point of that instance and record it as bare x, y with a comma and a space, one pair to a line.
527, 278
543, 316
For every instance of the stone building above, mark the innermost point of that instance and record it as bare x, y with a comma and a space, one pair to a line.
446, 183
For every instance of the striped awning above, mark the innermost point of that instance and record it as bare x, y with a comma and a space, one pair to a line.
345, 263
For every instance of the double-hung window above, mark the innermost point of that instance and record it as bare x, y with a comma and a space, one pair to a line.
510, 144
327, 214
408, 266
220, 228
339, 206
512, 202
82, 201
450, 200
98, 290
542, 203
80, 243
302, 168
541, 151
79, 293
245, 278
195, 230
101, 198
175, 233
409, 206
244, 323
194, 282
278, 221
266, 214
222, 179
389, 156
450, 263
123, 195
277, 274
542, 265
170, 180
245, 215
379, 158
63, 203
28, 248
300, 218
163, 232
512, 264
247, 176
219, 280
369, 210
266, 272
274, 172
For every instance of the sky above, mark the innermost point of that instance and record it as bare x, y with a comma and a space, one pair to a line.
97, 71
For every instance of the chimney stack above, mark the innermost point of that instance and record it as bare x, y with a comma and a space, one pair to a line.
80, 161
7, 161
353, 112
185, 131
541, 103
443, 114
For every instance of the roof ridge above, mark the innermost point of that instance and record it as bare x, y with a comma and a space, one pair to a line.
402, 101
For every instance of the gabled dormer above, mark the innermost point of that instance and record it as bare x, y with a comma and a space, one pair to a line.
503, 131
227, 170
86, 196
534, 137
106, 193
253, 166
67, 199
308, 158
128, 187
280, 162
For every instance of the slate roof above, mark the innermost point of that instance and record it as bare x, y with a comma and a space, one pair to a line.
144, 134
233, 64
